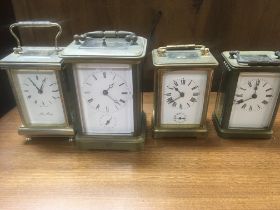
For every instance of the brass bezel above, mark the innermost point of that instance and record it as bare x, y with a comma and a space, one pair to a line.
174, 130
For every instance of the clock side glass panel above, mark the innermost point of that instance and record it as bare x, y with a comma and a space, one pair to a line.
105, 98
220, 98
254, 101
182, 97
39, 94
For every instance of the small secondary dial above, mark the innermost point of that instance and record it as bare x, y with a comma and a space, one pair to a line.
105, 91
180, 117
181, 93
107, 121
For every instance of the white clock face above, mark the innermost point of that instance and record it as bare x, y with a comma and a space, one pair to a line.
41, 97
255, 98
183, 97
105, 94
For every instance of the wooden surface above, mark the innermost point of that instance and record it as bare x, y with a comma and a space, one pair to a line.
168, 174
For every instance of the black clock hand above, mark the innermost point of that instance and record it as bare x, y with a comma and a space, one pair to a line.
256, 87
114, 100
34, 84
242, 101
110, 86
181, 93
41, 88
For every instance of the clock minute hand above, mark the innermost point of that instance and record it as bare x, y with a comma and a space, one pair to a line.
41, 88
34, 84
242, 101
181, 93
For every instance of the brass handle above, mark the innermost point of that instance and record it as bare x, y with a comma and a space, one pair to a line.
127, 35
33, 24
162, 50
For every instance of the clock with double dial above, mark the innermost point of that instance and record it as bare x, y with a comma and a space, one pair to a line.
183, 97
106, 98
41, 97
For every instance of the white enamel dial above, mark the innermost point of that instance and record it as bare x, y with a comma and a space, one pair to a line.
183, 97
105, 95
254, 101
40, 94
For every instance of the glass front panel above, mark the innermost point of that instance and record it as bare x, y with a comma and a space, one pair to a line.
255, 98
105, 97
182, 98
39, 94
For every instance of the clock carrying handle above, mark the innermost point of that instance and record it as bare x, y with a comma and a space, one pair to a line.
127, 35
34, 24
162, 50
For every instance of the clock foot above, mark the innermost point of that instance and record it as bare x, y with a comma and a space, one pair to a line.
28, 139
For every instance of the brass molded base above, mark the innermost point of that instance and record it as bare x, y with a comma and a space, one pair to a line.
179, 133
114, 142
237, 133
46, 132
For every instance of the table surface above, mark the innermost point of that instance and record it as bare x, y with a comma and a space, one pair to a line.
209, 173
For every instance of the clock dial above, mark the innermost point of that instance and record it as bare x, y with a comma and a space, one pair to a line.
105, 91
254, 101
183, 92
41, 97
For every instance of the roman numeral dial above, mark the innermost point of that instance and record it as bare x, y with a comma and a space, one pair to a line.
253, 95
181, 93
106, 92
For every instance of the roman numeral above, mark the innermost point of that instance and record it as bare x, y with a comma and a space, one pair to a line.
52, 84
169, 87
183, 81
55, 91
190, 83
239, 101
250, 108
258, 82
175, 83
90, 100
169, 100
26, 84
250, 84
104, 74
55, 97
195, 94
243, 88
243, 106
268, 95
26, 91
174, 104
268, 89
239, 95
29, 96
188, 105
194, 87
180, 106
259, 107
265, 84
167, 94
121, 100
94, 77
87, 92
37, 77
193, 100
265, 102
121, 84
124, 92
97, 107
107, 109
35, 101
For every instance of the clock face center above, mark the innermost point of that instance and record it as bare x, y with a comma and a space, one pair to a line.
182, 94
105, 92
254, 95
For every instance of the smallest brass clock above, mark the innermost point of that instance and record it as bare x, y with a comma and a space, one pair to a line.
248, 96
183, 76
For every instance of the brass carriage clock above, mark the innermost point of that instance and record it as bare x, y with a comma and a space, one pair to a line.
183, 77
36, 77
104, 67
248, 96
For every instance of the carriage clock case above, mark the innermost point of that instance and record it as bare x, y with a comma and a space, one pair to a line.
36, 76
105, 70
248, 96
183, 77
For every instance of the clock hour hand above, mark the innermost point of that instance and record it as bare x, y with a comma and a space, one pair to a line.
41, 88
110, 86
